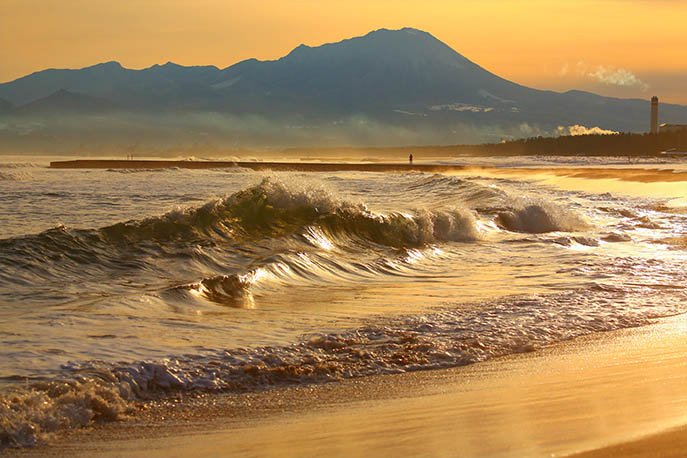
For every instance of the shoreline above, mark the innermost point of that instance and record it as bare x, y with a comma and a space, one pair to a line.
558, 401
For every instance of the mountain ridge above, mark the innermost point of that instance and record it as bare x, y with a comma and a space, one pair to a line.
404, 81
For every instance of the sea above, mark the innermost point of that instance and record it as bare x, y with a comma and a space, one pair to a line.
119, 287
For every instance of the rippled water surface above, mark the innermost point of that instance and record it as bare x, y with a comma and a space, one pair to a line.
119, 286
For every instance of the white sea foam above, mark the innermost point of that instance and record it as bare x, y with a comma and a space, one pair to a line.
98, 391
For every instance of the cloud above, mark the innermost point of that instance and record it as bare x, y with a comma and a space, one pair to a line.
617, 77
612, 76
577, 129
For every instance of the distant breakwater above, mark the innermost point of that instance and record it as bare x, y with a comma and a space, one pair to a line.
276, 166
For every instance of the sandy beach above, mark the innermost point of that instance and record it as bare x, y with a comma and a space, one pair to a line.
621, 393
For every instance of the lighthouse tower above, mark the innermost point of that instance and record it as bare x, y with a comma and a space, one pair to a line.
654, 115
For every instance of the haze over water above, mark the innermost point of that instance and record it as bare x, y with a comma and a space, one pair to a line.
118, 286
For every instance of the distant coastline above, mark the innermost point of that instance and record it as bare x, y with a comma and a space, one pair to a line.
622, 144
617, 145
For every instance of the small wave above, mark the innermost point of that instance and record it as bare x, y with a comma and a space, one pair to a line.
144, 170
673, 210
678, 242
645, 222
578, 240
231, 170
465, 191
636, 219
615, 237
624, 212
15, 175
18, 165
232, 290
538, 217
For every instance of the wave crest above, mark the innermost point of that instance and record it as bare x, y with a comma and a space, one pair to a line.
14, 175
538, 217
273, 209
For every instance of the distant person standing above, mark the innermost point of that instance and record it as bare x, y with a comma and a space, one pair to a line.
410, 159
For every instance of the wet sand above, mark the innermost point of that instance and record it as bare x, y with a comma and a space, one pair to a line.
589, 394
670, 444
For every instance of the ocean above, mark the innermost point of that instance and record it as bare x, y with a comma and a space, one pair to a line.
118, 287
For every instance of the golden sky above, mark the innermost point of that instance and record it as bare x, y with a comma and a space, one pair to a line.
627, 48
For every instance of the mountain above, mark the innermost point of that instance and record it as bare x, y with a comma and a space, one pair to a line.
389, 86
132, 88
382, 70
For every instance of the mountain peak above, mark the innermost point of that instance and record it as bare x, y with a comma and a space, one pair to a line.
403, 30
113, 64
407, 43
299, 50
402, 34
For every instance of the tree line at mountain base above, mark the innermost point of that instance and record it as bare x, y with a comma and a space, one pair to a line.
623, 144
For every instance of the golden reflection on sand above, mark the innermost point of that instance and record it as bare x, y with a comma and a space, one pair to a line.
663, 184
588, 394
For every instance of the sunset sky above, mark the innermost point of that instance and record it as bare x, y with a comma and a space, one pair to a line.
615, 47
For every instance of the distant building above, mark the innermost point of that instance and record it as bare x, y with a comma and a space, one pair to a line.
654, 115
673, 128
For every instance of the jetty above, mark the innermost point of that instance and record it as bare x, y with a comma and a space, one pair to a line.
256, 165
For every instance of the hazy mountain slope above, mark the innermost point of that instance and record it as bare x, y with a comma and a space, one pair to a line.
65, 101
154, 87
6, 107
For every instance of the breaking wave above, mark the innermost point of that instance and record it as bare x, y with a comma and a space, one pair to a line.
272, 209
538, 217
235, 235
300, 268
268, 210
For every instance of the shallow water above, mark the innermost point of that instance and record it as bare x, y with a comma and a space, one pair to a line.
120, 286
